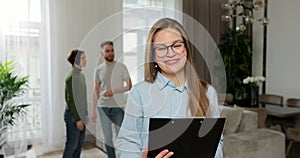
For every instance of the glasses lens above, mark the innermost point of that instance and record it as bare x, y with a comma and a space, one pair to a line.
162, 50
178, 47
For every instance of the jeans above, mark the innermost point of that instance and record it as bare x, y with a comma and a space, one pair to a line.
75, 138
109, 117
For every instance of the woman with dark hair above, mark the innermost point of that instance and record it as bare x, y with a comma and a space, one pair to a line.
171, 88
76, 114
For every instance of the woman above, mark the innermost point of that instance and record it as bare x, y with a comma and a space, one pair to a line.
76, 109
171, 88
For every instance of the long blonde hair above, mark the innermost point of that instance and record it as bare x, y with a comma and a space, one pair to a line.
198, 101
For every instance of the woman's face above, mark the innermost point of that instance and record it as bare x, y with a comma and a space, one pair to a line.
82, 60
169, 51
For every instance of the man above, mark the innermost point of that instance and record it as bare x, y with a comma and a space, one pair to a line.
108, 94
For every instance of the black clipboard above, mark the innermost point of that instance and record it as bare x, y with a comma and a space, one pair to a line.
192, 137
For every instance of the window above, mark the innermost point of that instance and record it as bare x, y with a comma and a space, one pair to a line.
20, 42
138, 17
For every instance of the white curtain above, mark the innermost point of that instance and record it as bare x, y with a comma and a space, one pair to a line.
62, 26
24, 40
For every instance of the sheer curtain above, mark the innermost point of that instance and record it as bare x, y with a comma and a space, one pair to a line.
19, 29
24, 40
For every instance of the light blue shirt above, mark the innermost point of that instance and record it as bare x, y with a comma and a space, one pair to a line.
158, 99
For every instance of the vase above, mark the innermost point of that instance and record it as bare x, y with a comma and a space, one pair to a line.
254, 95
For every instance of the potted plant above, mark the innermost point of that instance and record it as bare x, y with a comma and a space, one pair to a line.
236, 50
11, 85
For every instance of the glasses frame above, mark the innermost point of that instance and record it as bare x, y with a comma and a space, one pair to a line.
167, 48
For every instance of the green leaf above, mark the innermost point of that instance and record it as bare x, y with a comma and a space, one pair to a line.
11, 85
236, 50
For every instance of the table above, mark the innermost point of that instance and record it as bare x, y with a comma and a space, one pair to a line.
282, 112
283, 116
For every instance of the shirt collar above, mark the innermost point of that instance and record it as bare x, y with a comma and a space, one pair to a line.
163, 82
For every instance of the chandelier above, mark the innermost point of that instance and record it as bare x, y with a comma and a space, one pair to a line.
241, 12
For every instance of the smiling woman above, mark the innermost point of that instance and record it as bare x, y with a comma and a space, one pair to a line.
171, 88
170, 63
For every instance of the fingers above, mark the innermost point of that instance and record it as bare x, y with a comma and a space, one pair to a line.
79, 125
145, 153
108, 93
80, 128
165, 154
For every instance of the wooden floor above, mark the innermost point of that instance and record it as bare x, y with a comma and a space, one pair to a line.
88, 151
91, 151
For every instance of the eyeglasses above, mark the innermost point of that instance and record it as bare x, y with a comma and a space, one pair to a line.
162, 50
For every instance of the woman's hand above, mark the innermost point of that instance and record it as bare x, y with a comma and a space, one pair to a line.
80, 125
163, 154
145, 153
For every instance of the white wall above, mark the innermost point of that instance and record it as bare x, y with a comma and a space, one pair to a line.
79, 24
70, 23
283, 49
